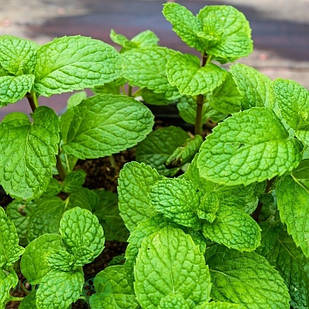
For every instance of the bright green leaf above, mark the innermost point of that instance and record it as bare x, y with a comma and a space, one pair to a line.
76, 98
74, 181
173, 301
8, 280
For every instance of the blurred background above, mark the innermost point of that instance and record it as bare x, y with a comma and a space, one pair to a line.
280, 29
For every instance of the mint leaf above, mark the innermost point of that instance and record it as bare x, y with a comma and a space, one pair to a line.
10, 251
187, 110
233, 228
172, 255
17, 56
301, 173
62, 261
8, 280
135, 180
250, 146
255, 87
103, 125
247, 279
226, 31
158, 146
24, 173
34, 263
293, 205
185, 73
145, 38
76, 98
74, 181
74, 63
83, 198
173, 301
220, 305
177, 200
112, 87
29, 302
153, 98
59, 289
120, 39
82, 234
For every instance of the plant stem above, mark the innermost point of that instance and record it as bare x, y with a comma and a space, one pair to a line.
129, 90
13, 298
113, 162
60, 167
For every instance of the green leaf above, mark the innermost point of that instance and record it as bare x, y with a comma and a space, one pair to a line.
185, 24
103, 125
82, 234
34, 263
293, 205
76, 98
120, 39
255, 87
173, 301
62, 261
8, 280
135, 180
247, 279
74, 63
170, 255
146, 68
158, 146
112, 87
281, 252
74, 181
248, 147
226, 31
177, 200
233, 228
58, 290
184, 72
83, 198
14, 88
24, 173
10, 251
145, 38
220, 305
17, 56
301, 173
153, 98
29, 302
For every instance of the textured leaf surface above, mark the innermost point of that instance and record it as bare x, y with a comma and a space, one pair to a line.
74, 181
135, 180
58, 290
184, 72
29, 302
250, 146
103, 125
173, 301
24, 173
255, 87
169, 262
293, 205
220, 305
82, 234
76, 98
248, 279
74, 63
8, 280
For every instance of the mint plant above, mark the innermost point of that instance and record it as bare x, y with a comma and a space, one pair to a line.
213, 218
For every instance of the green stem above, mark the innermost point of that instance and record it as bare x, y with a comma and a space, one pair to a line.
13, 298
129, 90
60, 168
113, 162
33, 100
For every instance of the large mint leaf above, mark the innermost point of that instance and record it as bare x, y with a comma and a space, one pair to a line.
59, 289
177, 200
226, 31
250, 146
158, 146
146, 68
220, 305
255, 87
185, 73
247, 279
74, 63
169, 262
9, 248
103, 125
280, 250
173, 301
293, 205
135, 180
17, 56
28, 152
8, 280
34, 263
234, 229
82, 234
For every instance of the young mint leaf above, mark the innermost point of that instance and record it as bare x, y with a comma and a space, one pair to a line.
17, 56
59, 289
26, 174
185, 24
220, 305
74, 63
226, 31
293, 205
146, 68
76, 98
14, 88
172, 255
34, 264
82, 234
208, 206
10, 251
173, 301
120, 39
29, 302
247, 279
74, 181
248, 147
8, 280
145, 38
153, 98
177, 200
135, 180
233, 228
255, 87
62, 261
111, 88
158, 146
301, 173
83, 198
185, 73
281, 252
103, 125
